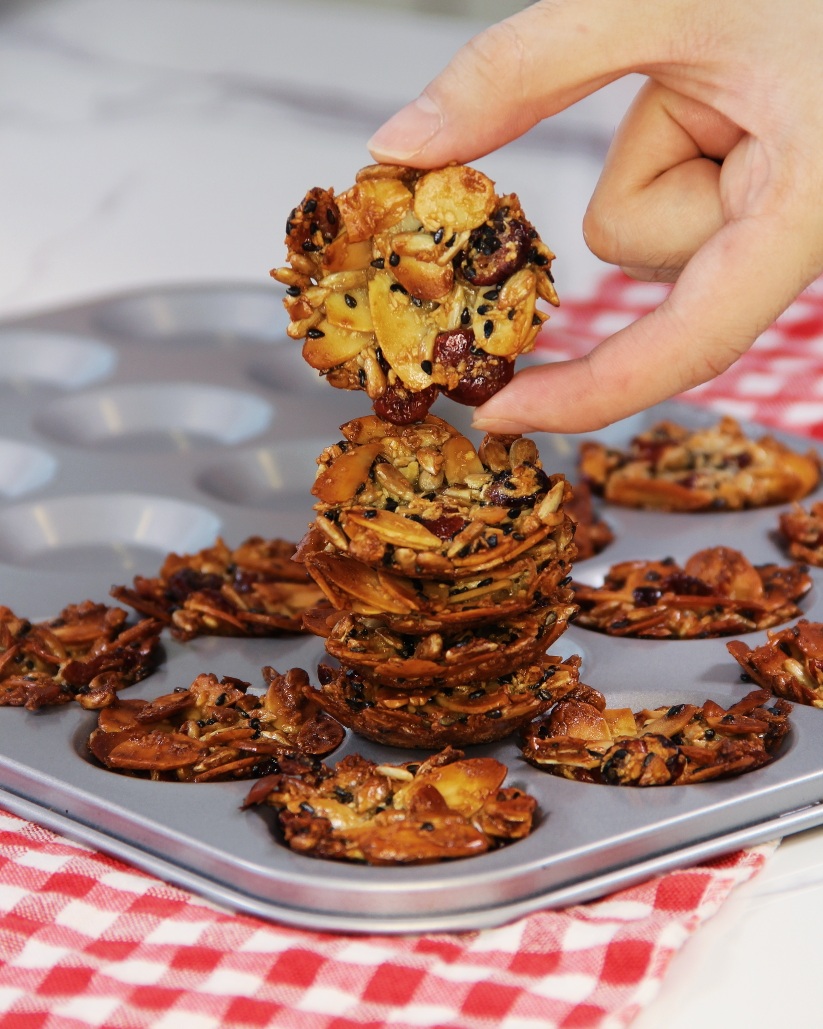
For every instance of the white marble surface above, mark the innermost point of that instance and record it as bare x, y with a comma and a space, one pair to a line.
156, 141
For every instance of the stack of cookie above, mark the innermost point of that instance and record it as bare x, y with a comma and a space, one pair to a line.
446, 571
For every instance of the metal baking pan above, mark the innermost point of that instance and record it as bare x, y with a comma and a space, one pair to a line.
153, 421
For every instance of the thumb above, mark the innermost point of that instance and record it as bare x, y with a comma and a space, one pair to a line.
513, 75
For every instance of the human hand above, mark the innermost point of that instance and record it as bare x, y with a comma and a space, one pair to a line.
713, 181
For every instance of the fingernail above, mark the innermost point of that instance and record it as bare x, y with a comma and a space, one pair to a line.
406, 133
501, 426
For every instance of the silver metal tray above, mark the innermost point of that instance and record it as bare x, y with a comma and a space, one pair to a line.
151, 422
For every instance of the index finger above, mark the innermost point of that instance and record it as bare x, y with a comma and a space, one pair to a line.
518, 72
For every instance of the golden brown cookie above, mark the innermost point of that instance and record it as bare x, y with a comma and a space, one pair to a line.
214, 730
666, 746
789, 664
255, 589
415, 282
445, 807
672, 468
431, 714
717, 592
87, 654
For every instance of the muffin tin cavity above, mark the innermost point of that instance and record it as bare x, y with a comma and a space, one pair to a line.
266, 477
156, 417
172, 416
188, 316
23, 468
32, 360
122, 532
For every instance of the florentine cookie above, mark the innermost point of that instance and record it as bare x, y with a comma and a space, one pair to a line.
672, 468
717, 592
445, 807
415, 282
674, 745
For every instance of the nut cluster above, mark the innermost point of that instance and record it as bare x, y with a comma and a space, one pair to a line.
87, 654
588, 742
672, 468
412, 283
716, 592
789, 663
254, 589
446, 573
214, 730
445, 807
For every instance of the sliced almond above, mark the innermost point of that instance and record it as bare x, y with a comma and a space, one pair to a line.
372, 206
349, 309
404, 331
334, 347
455, 198
460, 460
341, 480
394, 528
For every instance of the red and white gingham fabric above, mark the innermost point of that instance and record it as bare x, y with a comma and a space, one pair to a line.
86, 941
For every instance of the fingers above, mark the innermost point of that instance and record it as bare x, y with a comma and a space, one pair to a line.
513, 75
659, 195
728, 294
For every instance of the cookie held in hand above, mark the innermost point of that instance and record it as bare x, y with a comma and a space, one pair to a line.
412, 283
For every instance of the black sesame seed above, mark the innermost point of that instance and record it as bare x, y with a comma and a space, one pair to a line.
394, 259
484, 308
310, 206
331, 217
293, 291
309, 247
370, 512
315, 334
451, 240
488, 327
465, 316
492, 294
378, 262
427, 367
350, 300
438, 236
397, 288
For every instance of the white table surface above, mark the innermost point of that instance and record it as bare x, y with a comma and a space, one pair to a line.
157, 141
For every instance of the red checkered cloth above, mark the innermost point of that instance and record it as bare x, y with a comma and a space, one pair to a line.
86, 941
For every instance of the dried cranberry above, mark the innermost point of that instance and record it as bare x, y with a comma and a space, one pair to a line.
402, 406
646, 596
185, 581
445, 527
686, 585
481, 374
521, 487
495, 250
